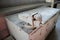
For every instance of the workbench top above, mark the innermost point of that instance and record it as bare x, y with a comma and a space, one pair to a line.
46, 13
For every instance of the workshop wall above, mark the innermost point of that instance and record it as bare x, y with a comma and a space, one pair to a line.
6, 3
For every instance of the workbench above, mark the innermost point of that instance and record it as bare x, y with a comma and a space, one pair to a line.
16, 23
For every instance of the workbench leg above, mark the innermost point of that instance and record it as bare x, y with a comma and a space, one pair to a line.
55, 6
54, 25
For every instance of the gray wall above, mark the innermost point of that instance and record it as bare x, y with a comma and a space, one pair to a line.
6, 3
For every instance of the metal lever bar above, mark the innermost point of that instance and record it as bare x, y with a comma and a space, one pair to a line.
33, 19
